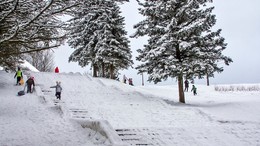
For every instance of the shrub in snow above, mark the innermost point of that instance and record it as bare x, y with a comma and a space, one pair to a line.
227, 88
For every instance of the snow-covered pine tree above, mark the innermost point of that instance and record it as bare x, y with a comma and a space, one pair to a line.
97, 34
212, 45
176, 29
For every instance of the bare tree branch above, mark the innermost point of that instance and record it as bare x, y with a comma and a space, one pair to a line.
29, 51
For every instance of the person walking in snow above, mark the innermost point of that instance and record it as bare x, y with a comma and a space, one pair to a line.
57, 70
186, 83
19, 76
194, 89
30, 83
58, 90
130, 81
124, 79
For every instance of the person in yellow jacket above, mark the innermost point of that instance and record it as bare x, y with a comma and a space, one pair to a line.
19, 76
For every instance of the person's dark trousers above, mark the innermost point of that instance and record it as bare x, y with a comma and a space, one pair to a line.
29, 88
18, 80
58, 95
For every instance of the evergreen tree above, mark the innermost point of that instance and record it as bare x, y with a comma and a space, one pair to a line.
179, 40
212, 45
97, 34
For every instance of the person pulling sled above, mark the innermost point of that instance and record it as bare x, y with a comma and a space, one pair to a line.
30, 85
19, 76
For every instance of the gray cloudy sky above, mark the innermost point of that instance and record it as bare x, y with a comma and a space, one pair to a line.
240, 24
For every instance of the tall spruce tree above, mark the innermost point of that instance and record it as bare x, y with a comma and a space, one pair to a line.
212, 45
97, 34
180, 40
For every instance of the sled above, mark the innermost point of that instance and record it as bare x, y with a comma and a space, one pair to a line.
21, 93
21, 81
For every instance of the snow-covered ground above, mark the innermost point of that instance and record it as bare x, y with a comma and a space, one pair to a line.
103, 112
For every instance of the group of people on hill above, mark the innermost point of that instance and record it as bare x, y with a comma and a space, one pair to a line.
30, 83
19, 80
186, 85
130, 80
193, 89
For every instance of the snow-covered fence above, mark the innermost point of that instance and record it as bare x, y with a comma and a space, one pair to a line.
245, 87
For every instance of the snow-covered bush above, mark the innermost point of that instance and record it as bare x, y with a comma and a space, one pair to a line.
226, 88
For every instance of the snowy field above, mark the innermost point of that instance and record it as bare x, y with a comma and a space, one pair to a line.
102, 112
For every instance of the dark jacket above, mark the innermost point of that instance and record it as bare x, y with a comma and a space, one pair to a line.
30, 82
186, 83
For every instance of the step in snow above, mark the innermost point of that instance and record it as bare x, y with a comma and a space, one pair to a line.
76, 113
134, 137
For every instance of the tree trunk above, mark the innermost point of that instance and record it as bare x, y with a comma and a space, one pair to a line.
103, 69
111, 71
94, 70
180, 86
207, 76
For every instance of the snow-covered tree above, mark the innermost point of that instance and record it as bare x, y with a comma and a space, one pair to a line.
42, 60
212, 45
97, 34
180, 40
28, 25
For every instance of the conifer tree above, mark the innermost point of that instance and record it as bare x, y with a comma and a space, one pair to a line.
212, 45
179, 40
97, 34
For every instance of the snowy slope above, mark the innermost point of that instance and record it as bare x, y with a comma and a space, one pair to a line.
138, 115
26, 121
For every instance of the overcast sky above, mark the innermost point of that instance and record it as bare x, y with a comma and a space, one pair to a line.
240, 24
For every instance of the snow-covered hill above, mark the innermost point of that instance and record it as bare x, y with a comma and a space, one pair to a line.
103, 112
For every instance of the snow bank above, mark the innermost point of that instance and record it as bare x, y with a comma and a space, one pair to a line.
27, 65
105, 129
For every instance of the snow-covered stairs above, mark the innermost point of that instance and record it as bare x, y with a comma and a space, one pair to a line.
136, 137
77, 113
153, 136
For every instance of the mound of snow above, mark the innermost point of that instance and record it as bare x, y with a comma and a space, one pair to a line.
28, 66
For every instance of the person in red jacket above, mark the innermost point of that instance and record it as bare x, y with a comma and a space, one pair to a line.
57, 70
30, 83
